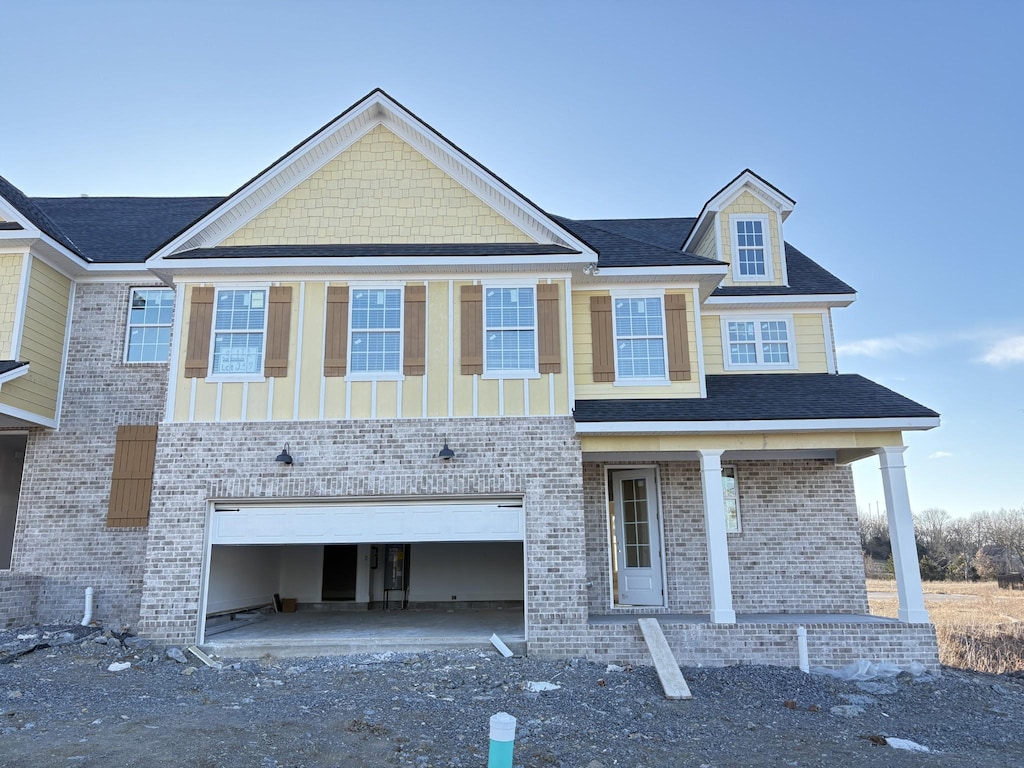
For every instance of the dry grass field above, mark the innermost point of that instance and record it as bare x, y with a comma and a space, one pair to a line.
978, 625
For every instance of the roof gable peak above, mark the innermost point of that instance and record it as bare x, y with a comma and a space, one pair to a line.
745, 181
375, 109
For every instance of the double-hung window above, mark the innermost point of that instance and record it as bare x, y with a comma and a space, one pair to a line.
639, 338
510, 331
751, 247
376, 327
239, 332
759, 343
731, 498
150, 312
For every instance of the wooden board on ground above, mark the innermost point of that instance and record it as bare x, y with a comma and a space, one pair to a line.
664, 661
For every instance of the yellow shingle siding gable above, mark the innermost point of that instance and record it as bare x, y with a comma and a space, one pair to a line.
379, 190
748, 203
10, 282
42, 344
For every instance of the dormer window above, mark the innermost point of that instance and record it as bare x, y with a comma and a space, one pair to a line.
751, 247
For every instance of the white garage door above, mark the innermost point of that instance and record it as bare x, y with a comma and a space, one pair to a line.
366, 523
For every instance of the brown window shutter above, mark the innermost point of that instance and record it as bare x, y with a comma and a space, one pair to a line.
472, 298
602, 338
200, 327
548, 325
131, 483
415, 344
677, 337
336, 333
279, 323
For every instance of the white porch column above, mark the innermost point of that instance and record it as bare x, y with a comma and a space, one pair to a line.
718, 548
901, 534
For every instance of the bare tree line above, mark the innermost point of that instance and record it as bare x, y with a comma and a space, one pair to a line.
983, 545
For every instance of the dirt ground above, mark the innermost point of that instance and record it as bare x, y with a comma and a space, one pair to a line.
63, 706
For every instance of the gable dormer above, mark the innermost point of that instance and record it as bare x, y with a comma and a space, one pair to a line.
742, 226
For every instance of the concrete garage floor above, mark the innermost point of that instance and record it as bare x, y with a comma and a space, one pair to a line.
318, 633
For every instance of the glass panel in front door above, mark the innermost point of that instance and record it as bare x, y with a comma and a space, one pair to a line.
636, 523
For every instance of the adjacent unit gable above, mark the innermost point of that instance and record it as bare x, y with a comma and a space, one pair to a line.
379, 190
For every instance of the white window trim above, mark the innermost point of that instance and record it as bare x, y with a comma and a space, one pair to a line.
129, 325
739, 514
727, 362
648, 381
232, 377
769, 271
516, 373
377, 375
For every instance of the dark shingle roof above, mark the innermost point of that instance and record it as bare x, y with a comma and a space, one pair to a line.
124, 229
765, 397
31, 211
805, 277
631, 250
6, 366
372, 249
129, 229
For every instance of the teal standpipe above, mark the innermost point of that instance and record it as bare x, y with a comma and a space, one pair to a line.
503, 736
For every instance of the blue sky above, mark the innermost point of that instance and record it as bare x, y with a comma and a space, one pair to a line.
895, 125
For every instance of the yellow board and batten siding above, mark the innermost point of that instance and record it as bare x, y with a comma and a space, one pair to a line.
745, 202
42, 343
275, 399
10, 284
583, 352
808, 330
379, 190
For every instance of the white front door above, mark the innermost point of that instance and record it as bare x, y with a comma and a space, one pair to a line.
637, 537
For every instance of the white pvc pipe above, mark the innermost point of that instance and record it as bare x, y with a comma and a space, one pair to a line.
801, 647
88, 607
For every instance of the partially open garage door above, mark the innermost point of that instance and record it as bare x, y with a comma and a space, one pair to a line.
366, 523
464, 561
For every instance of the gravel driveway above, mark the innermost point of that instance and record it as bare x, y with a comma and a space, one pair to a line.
60, 706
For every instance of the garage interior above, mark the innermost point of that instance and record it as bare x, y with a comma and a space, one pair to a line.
356, 598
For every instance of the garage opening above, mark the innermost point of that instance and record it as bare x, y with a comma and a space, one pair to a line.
12, 462
324, 579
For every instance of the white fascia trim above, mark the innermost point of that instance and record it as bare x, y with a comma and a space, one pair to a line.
818, 299
680, 271
345, 264
348, 278
16, 373
19, 311
105, 273
777, 425
34, 418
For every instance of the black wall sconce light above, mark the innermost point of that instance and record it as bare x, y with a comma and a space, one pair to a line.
284, 457
446, 454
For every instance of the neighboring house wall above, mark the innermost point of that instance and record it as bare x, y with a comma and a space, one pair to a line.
42, 345
360, 198
306, 394
62, 533
808, 332
798, 549
537, 458
10, 281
